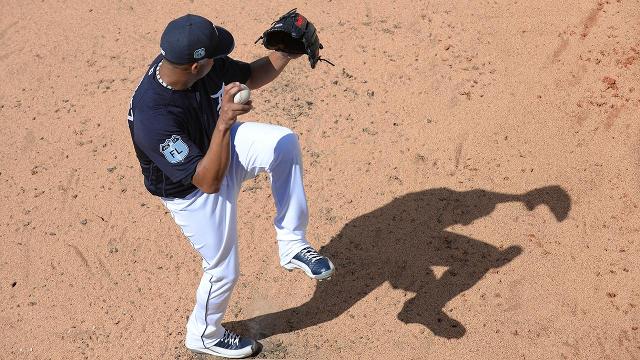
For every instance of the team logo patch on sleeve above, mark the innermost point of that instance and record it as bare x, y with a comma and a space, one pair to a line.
174, 149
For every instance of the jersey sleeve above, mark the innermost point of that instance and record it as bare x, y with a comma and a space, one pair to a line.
163, 138
229, 70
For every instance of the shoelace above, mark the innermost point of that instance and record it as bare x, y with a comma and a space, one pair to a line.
231, 338
310, 254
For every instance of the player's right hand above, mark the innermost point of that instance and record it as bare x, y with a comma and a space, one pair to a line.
229, 111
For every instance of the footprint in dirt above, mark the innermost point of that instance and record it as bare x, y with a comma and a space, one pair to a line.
3, 34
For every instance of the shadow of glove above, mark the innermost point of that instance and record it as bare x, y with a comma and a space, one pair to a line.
554, 197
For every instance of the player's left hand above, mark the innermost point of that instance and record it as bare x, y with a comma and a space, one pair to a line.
289, 56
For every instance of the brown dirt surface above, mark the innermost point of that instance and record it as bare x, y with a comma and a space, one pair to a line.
471, 167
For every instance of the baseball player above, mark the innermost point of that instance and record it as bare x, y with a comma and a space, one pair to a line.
194, 155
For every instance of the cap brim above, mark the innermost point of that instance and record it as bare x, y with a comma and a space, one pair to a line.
225, 43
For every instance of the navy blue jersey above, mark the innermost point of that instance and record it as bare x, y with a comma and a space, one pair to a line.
171, 129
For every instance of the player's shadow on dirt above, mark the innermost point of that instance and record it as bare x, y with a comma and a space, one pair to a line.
399, 243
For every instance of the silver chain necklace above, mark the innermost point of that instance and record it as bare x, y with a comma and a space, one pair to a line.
160, 80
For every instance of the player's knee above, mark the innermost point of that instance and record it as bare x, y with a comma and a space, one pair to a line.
287, 147
228, 279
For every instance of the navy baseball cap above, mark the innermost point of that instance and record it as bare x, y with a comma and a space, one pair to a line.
191, 38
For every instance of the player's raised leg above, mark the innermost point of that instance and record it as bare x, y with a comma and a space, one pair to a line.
275, 149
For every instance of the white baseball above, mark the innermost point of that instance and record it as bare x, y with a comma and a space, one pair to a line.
243, 95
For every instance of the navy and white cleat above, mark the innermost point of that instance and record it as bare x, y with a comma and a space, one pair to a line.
231, 346
313, 264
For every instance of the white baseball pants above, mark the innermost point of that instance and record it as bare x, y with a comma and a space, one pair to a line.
209, 220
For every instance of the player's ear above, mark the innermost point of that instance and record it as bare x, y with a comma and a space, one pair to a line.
195, 67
